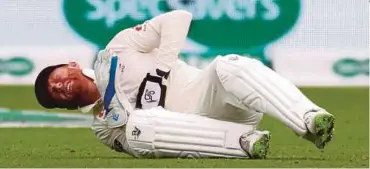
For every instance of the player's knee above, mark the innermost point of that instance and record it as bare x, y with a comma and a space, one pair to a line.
231, 73
236, 63
231, 66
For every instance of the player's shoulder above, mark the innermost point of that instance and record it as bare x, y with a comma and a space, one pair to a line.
141, 27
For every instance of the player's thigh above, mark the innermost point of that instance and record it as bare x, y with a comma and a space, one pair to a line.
198, 94
205, 96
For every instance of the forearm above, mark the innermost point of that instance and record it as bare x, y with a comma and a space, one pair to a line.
166, 32
114, 138
173, 28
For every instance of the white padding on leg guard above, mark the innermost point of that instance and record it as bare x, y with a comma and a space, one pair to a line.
260, 88
160, 133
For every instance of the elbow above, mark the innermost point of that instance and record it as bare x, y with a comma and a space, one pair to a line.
184, 15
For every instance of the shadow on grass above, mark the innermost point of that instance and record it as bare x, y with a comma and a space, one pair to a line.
296, 158
246, 159
94, 157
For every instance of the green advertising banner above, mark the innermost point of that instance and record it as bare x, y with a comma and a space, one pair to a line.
350, 67
222, 26
16, 66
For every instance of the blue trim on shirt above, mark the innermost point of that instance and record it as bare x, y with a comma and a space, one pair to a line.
110, 91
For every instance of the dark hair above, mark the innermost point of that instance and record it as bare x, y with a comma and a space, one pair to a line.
42, 93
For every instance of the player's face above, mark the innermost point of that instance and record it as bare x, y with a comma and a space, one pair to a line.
64, 83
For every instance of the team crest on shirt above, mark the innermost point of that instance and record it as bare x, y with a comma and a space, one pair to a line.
101, 115
140, 27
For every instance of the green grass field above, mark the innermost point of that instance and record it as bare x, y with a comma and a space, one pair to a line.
60, 147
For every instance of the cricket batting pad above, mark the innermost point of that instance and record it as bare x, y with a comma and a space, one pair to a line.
263, 90
159, 133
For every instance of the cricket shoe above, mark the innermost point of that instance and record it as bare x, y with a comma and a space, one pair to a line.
256, 143
320, 125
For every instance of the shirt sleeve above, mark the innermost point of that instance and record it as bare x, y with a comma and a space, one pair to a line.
166, 32
114, 138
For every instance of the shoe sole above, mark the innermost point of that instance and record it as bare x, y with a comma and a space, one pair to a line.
324, 127
261, 146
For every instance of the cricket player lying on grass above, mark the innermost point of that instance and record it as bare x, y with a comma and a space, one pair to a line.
148, 103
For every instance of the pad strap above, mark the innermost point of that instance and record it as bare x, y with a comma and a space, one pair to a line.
152, 93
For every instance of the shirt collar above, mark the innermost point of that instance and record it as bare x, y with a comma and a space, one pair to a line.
90, 74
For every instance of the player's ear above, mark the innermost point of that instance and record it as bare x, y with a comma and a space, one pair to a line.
73, 65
